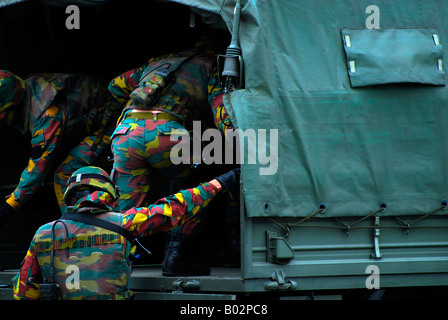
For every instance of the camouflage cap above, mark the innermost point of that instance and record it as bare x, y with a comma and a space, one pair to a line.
92, 177
12, 90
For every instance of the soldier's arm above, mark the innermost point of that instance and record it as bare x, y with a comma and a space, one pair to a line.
26, 282
123, 85
215, 94
44, 143
166, 213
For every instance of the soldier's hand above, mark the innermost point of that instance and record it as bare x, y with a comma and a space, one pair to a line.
230, 180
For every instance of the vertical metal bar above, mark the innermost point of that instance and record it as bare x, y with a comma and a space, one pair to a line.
376, 240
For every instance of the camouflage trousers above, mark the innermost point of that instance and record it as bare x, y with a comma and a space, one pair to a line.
86, 153
142, 167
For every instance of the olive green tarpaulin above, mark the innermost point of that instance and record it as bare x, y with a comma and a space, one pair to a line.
348, 147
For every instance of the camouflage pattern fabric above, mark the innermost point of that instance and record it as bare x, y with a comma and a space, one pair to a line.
154, 84
220, 116
80, 156
185, 97
101, 256
12, 90
61, 107
141, 147
90, 177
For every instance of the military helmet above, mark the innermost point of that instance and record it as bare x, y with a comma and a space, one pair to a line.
92, 177
12, 90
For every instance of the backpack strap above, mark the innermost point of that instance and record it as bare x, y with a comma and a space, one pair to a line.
171, 64
155, 80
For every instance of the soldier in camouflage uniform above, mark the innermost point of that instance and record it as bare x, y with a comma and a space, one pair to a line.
163, 97
102, 257
75, 109
156, 109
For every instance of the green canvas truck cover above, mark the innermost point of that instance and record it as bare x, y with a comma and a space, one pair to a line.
358, 96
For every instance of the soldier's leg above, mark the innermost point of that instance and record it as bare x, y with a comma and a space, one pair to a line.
182, 257
130, 171
82, 155
159, 144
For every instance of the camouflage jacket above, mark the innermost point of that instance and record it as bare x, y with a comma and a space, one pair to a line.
101, 257
58, 107
185, 96
81, 98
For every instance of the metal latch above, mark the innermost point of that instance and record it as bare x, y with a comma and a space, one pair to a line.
278, 282
278, 249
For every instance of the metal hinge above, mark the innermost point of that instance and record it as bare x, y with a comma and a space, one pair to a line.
279, 282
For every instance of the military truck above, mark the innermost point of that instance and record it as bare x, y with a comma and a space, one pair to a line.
341, 108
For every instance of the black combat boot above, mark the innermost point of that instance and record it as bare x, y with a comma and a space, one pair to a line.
183, 258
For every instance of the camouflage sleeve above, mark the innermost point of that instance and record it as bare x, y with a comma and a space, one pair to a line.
44, 143
215, 93
166, 213
26, 282
122, 86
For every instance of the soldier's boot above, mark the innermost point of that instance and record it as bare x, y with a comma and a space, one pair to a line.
182, 258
